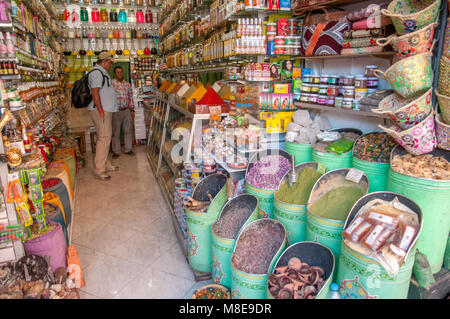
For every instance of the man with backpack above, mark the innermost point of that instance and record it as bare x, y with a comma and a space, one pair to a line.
101, 109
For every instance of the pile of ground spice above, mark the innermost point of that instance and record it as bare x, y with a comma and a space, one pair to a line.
231, 222
299, 193
336, 204
257, 246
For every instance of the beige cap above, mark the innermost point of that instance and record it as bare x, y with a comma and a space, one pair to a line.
106, 56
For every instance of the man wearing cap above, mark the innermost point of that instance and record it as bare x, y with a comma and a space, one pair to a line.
124, 117
101, 109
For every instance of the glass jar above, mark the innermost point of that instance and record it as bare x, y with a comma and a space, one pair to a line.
126, 2
370, 70
122, 16
101, 1
322, 99
306, 88
148, 16
372, 83
104, 33
98, 33
341, 80
122, 34
323, 89
139, 34
115, 2
133, 33
103, 15
315, 79
338, 101
131, 16
313, 98
349, 80
333, 90
84, 17
314, 89
333, 80
304, 98
110, 33
329, 101
361, 82
306, 79
84, 33
349, 92
113, 17
139, 2
116, 33
140, 16
347, 103
128, 33
324, 79
95, 15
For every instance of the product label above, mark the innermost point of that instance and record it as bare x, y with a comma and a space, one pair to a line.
407, 238
321, 169
384, 219
353, 225
354, 175
373, 235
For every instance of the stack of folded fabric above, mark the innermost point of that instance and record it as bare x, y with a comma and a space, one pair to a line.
367, 26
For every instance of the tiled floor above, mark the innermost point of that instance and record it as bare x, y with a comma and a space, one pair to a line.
124, 235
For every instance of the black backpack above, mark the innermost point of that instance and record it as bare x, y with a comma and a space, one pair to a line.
81, 92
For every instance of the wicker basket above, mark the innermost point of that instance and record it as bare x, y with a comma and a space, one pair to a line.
442, 134
411, 15
406, 113
444, 76
444, 105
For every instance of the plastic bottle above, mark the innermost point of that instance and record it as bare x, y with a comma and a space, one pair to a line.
95, 15
334, 292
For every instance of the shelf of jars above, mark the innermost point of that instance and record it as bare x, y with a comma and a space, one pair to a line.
303, 105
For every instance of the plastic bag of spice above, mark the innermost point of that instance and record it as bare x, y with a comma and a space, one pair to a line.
340, 146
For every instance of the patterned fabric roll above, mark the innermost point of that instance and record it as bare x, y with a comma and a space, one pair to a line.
360, 43
353, 51
377, 32
372, 23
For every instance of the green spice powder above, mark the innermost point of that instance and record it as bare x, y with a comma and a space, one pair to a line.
299, 193
336, 204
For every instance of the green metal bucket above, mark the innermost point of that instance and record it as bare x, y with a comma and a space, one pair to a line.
433, 197
314, 254
222, 248
334, 161
362, 277
253, 286
292, 216
302, 152
265, 196
376, 172
199, 224
323, 230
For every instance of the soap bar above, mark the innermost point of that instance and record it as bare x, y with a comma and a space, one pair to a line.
381, 240
361, 231
397, 251
373, 235
407, 238
352, 228
383, 219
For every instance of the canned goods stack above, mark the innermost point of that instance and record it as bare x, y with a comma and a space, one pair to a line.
284, 36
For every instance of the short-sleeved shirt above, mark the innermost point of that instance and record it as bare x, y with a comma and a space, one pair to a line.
107, 92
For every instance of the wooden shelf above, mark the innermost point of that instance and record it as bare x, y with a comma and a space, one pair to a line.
383, 55
303, 105
330, 3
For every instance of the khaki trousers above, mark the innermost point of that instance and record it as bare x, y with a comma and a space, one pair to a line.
124, 120
103, 128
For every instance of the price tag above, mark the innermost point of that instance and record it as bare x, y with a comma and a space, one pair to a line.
321, 169
354, 175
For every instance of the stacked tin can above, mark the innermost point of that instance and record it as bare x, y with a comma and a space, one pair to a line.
180, 197
284, 38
